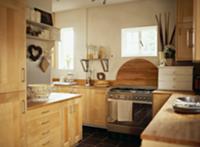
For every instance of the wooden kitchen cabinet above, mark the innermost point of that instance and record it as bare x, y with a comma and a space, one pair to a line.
12, 115
98, 107
184, 11
184, 42
85, 93
184, 31
12, 51
55, 125
196, 49
158, 100
72, 122
43, 126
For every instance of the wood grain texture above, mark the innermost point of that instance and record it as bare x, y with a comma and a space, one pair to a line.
158, 101
184, 30
168, 126
12, 130
137, 72
196, 49
12, 50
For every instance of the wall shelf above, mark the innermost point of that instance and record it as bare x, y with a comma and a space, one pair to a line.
52, 32
38, 38
41, 25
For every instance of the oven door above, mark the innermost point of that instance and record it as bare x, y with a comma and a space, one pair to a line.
142, 114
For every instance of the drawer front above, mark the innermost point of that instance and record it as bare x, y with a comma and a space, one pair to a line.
176, 71
174, 86
47, 122
175, 78
45, 133
41, 112
53, 140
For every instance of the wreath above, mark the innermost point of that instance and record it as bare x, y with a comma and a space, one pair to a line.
34, 52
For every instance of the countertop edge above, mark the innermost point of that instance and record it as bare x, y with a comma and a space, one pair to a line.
36, 105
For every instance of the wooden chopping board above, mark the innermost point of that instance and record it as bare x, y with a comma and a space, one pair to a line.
137, 72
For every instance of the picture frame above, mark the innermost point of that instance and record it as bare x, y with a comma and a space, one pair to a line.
46, 17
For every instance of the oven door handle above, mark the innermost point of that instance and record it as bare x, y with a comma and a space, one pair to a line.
142, 102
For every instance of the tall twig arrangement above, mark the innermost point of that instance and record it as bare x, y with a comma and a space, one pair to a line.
164, 32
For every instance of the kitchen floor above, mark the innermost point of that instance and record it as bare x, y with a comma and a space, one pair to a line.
93, 137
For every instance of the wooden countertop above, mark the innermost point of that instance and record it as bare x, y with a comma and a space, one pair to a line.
53, 98
168, 126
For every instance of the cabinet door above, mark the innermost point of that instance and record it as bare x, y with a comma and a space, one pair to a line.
85, 99
196, 50
184, 11
12, 124
158, 101
12, 50
98, 108
184, 42
72, 122
77, 120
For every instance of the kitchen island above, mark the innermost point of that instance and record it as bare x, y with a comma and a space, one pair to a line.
56, 122
170, 129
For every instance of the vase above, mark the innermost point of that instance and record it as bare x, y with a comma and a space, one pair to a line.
162, 59
169, 62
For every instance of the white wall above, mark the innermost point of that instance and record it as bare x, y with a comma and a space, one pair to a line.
104, 29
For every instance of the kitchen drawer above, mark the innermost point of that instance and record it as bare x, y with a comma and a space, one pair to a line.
176, 70
174, 85
53, 140
50, 121
45, 133
42, 112
174, 78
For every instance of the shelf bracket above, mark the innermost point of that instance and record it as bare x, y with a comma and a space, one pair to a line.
105, 64
85, 65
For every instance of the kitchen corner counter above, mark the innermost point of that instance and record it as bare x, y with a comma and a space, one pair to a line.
172, 129
53, 98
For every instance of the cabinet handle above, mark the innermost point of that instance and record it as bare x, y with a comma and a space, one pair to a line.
23, 106
44, 144
45, 122
23, 75
190, 38
44, 112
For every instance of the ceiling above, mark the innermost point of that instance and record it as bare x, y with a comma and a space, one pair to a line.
60, 5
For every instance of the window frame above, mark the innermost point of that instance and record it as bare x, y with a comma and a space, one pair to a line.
58, 49
139, 29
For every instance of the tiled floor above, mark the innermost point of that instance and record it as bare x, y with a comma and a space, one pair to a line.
93, 137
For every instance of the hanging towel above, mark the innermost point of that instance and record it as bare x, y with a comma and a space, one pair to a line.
124, 111
112, 110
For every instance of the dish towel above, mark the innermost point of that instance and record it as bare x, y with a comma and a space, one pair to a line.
112, 109
124, 111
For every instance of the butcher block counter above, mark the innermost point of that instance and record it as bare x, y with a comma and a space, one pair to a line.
53, 98
170, 129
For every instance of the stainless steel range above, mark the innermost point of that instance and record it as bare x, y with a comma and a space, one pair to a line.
129, 109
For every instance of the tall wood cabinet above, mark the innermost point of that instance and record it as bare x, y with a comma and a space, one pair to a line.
196, 49
184, 31
12, 51
12, 73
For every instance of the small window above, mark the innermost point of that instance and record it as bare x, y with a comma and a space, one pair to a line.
140, 41
66, 49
